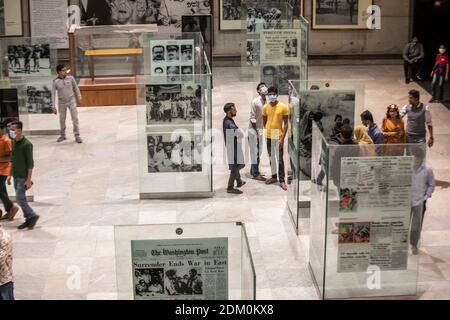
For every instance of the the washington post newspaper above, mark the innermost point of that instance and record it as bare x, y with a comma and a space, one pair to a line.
194, 269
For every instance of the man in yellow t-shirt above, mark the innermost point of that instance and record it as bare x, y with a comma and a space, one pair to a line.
276, 119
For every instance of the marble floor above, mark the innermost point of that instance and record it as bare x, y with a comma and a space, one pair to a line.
82, 191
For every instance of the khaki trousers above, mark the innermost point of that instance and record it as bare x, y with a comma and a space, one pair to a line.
74, 115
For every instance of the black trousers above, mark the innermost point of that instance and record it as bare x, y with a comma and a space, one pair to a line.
4, 194
235, 175
412, 69
276, 159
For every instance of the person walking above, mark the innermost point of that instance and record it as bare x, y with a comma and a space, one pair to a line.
276, 121
6, 265
233, 143
5, 167
423, 185
439, 75
22, 171
256, 131
69, 97
419, 115
372, 129
413, 55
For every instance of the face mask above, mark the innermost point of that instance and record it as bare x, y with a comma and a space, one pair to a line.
12, 134
442, 51
272, 98
264, 90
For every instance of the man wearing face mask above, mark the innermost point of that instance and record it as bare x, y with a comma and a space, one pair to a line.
413, 55
439, 75
256, 129
276, 119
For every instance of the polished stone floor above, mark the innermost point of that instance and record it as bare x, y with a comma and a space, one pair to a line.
82, 191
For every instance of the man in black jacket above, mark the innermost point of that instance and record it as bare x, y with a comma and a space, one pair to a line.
233, 142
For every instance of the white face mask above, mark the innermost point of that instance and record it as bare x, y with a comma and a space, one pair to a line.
264, 90
12, 134
272, 98
442, 51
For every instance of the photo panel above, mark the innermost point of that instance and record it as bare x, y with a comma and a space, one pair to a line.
173, 104
253, 52
280, 46
39, 99
340, 14
10, 18
279, 76
26, 60
174, 152
230, 14
204, 25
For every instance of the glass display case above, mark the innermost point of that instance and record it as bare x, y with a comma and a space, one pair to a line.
365, 217
271, 43
108, 51
27, 57
174, 118
329, 104
202, 261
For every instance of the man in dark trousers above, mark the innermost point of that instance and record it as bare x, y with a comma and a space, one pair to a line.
413, 55
233, 143
22, 171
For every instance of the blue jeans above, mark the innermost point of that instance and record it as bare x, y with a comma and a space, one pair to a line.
7, 291
19, 186
255, 152
410, 139
437, 87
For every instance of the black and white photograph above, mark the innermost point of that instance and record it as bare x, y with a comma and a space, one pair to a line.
39, 99
330, 110
290, 48
2, 18
259, 19
164, 13
174, 153
172, 57
230, 14
202, 24
183, 281
279, 76
148, 282
9, 104
253, 52
174, 104
339, 14
29, 60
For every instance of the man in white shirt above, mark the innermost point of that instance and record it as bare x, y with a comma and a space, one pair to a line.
256, 129
423, 185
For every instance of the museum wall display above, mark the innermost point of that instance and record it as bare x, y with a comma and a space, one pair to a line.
205, 261
10, 18
361, 200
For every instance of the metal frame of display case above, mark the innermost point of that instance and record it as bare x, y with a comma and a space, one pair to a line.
241, 275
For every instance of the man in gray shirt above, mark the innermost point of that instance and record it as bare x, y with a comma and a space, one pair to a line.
413, 55
68, 97
419, 116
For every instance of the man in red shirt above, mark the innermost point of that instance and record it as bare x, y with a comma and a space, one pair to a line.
439, 75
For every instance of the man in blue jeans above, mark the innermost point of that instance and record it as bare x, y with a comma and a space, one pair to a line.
21, 171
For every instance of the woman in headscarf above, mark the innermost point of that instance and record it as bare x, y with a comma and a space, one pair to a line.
365, 141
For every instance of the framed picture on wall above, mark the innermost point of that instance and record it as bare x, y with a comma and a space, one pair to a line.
10, 18
230, 14
340, 14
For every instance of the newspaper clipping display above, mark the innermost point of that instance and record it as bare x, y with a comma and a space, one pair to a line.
194, 269
56, 27
10, 18
374, 213
280, 46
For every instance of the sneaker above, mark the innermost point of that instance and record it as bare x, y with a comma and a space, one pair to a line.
259, 178
414, 250
32, 222
241, 184
23, 225
234, 191
78, 140
271, 181
61, 139
283, 186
